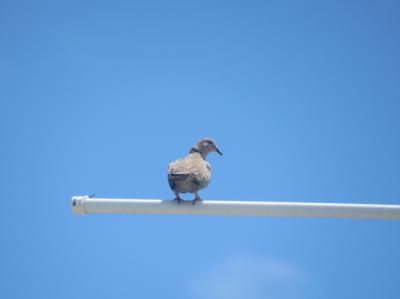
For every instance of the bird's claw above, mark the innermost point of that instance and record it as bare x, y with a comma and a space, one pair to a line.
197, 199
178, 200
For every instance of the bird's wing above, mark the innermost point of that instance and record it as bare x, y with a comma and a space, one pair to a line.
177, 170
186, 169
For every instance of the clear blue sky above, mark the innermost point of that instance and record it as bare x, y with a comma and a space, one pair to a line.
302, 97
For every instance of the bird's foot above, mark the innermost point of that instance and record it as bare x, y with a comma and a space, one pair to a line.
178, 200
197, 199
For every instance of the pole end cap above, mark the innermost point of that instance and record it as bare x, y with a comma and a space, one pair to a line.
78, 204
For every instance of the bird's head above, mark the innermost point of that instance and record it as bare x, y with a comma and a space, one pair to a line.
205, 146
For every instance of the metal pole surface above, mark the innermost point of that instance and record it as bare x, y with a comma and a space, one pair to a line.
87, 205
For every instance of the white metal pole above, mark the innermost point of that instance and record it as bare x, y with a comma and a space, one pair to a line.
88, 205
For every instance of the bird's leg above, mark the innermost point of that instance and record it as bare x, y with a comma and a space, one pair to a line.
177, 198
196, 198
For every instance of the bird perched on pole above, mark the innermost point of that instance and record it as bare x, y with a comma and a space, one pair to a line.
192, 173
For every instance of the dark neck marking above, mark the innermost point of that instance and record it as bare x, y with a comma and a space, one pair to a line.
195, 150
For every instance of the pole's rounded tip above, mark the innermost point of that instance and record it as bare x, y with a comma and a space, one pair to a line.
78, 204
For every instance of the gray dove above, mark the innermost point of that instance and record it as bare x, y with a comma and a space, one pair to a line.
192, 173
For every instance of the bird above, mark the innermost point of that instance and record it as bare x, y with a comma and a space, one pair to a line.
192, 173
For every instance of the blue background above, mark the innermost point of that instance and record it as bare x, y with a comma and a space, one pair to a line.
301, 96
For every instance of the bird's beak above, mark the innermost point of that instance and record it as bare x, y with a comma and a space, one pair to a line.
218, 151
